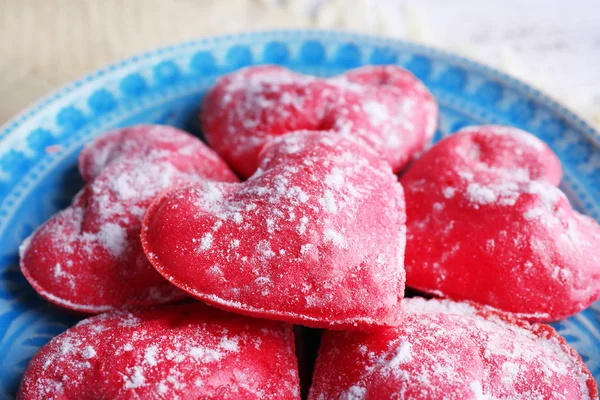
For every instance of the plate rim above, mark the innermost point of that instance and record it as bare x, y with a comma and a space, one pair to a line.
284, 34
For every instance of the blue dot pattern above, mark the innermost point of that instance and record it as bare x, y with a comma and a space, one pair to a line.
239, 56
166, 72
276, 53
203, 62
133, 84
70, 118
102, 101
312, 52
348, 56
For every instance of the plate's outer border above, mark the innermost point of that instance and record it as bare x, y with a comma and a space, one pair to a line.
80, 110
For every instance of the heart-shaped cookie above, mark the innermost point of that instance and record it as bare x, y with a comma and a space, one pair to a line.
316, 236
384, 106
88, 257
454, 351
487, 223
186, 351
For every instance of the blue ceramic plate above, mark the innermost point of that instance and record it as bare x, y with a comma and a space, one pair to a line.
38, 149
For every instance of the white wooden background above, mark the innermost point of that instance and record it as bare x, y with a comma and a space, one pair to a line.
553, 44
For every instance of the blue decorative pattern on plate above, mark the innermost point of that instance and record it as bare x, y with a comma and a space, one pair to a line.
38, 149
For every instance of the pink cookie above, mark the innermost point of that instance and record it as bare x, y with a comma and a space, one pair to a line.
454, 351
384, 106
487, 223
88, 257
316, 236
173, 352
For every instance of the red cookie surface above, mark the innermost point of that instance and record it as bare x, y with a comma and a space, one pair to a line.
316, 236
187, 351
385, 106
454, 351
487, 223
88, 257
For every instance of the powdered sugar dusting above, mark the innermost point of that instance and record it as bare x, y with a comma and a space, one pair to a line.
489, 177
478, 391
481, 194
450, 350
177, 352
449, 192
335, 179
113, 238
328, 202
386, 107
403, 356
504, 193
331, 236
150, 355
300, 233
493, 192
96, 239
376, 112
354, 393
301, 228
135, 379
521, 136
206, 242
88, 352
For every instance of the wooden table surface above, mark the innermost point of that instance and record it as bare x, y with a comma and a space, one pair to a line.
555, 45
